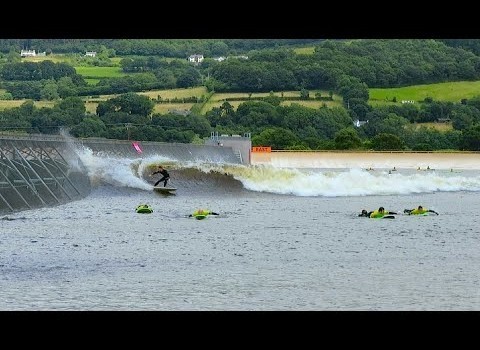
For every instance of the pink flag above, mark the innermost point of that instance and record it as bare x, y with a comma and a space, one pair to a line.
137, 147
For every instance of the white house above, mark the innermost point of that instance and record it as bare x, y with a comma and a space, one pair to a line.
220, 59
90, 53
28, 53
196, 58
359, 123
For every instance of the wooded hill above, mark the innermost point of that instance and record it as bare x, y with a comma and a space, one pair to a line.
341, 68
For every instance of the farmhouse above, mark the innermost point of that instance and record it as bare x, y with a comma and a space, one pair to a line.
196, 59
28, 53
90, 53
358, 123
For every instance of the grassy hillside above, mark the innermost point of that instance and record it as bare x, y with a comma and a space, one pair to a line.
56, 58
453, 91
437, 126
304, 50
18, 103
217, 99
178, 93
100, 72
91, 104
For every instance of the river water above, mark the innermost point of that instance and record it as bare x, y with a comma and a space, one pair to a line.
287, 238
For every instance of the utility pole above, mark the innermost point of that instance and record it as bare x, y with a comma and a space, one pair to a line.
128, 125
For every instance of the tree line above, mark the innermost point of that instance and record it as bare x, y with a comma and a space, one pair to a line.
130, 116
374, 63
180, 48
346, 68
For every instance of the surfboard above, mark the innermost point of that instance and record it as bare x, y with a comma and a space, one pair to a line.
165, 190
385, 217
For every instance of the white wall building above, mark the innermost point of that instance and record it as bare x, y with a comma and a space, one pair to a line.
196, 58
28, 53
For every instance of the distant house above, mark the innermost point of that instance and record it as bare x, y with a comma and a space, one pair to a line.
220, 59
91, 54
359, 123
28, 53
196, 59
408, 101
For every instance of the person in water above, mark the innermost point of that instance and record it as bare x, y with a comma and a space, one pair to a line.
365, 213
418, 211
202, 212
381, 212
165, 176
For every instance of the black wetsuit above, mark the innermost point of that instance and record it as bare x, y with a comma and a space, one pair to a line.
165, 177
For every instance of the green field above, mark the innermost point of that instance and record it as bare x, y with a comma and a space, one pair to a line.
217, 99
53, 57
162, 108
91, 81
304, 50
100, 72
17, 103
454, 91
178, 93
116, 60
437, 126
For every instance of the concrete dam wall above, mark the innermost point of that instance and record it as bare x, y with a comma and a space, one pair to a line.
42, 170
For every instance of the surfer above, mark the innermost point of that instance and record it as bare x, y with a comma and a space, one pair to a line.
376, 213
419, 210
202, 212
165, 176
365, 213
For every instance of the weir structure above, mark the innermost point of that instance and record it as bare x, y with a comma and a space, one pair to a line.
46, 170
38, 171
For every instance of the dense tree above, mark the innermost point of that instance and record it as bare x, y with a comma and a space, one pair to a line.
73, 108
277, 138
129, 103
91, 126
386, 142
256, 114
36, 71
470, 140
66, 87
189, 77
49, 91
347, 139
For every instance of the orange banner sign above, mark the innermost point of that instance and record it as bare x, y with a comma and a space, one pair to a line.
262, 149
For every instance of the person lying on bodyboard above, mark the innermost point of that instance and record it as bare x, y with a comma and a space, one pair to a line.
418, 211
376, 214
